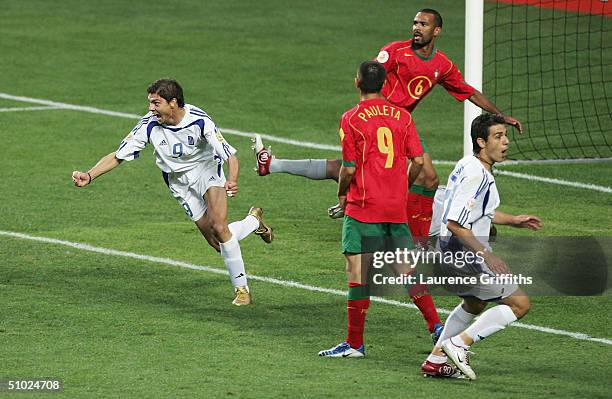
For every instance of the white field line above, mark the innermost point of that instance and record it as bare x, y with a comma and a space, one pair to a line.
554, 161
283, 140
285, 283
594, 187
41, 108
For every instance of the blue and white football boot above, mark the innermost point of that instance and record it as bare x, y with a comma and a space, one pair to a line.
343, 349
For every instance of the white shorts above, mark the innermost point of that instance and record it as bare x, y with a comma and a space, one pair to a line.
486, 287
479, 281
190, 195
490, 292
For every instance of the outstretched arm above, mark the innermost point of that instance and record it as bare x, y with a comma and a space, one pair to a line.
106, 164
520, 221
483, 102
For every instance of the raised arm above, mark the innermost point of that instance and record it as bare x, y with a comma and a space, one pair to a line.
483, 102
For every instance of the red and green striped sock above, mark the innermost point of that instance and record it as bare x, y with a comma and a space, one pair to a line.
420, 296
419, 207
357, 306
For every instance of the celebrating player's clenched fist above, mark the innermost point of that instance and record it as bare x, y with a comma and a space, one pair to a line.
81, 179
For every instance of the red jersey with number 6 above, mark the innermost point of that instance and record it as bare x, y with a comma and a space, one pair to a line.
378, 138
410, 77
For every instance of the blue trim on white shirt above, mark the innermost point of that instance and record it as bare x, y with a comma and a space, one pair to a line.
482, 186
150, 127
165, 176
486, 198
198, 113
463, 216
199, 122
143, 121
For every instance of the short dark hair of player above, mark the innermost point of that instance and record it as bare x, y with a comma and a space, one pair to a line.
167, 89
480, 128
437, 16
371, 76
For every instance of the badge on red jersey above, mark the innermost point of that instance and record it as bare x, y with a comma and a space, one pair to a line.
383, 57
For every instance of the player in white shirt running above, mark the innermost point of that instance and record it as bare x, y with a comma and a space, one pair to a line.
190, 151
470, 207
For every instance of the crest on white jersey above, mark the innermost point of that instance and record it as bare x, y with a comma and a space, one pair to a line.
471, 204
383, 57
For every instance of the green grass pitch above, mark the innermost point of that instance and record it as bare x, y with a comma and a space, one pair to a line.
110, 326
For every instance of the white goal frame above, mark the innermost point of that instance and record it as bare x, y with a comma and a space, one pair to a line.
474, 24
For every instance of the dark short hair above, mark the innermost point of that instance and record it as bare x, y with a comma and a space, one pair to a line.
437, 16
480, 128
371, 76
167, 89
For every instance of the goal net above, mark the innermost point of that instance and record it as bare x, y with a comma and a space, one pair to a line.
548, 63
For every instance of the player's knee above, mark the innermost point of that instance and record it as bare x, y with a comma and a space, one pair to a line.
474, 306
219, 229
521, 307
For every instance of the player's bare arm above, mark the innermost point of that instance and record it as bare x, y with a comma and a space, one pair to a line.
344, 180
414, 168
520, 221
468, 239
483, 102
231, 185
104, 165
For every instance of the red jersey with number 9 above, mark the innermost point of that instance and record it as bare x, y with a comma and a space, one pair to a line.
410, 77
378, 138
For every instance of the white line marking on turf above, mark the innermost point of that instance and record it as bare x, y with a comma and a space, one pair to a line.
277, 139
15, 109
286, 283
69, 106
281, 139
554, 161
594, 187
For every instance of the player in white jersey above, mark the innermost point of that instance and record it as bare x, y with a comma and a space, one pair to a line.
470, 206
190, 151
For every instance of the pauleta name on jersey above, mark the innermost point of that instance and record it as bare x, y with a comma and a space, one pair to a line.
379, 110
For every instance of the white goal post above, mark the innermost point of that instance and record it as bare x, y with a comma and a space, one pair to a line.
474, 15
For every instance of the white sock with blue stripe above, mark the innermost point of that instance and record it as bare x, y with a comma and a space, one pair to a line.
232, 257
490, 322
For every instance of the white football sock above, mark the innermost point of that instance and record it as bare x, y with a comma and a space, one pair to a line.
315, 169
437, 359
456, 322
458, 341
232, 257
490, 322
242, 228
